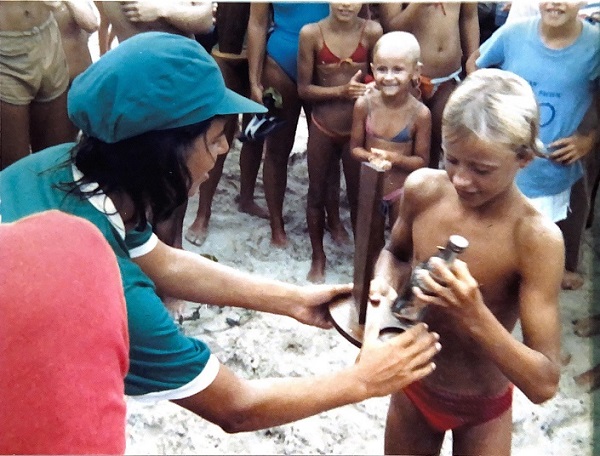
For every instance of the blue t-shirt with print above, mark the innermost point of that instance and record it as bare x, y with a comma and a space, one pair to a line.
563, 81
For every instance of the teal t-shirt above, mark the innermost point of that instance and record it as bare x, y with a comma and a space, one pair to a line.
164, 364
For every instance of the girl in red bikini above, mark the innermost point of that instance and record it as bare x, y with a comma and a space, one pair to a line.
390, 125
333, 61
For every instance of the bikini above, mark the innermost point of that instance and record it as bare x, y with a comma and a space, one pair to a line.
429, 86
444, 410
326, 57
403, 136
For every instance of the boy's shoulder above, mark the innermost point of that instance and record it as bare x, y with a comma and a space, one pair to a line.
534, 230
373, 28
426, 186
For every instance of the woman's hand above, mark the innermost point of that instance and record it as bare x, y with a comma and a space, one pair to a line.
385, 367
313, 308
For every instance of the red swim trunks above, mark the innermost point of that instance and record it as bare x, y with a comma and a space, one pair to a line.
444, 410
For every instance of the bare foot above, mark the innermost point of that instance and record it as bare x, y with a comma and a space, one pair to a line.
279, 239
197, 233
317, 271
339, 234
253, 209
589, 380
175, 306
571, 281
588, 326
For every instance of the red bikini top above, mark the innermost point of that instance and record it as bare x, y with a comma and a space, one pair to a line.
360, 54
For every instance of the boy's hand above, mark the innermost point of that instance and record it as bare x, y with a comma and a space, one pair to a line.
453, 288
380, 289
570, 149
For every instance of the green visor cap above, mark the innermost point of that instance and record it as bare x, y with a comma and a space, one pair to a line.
151, 81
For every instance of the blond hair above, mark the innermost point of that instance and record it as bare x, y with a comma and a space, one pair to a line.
403, 42
497, 106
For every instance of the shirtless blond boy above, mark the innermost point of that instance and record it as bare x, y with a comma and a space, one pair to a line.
511, 270
448, 33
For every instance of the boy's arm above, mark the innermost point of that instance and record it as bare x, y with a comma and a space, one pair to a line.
258, 24
532, 365
83, 14
572, 148
187, 16
396, 16
469, 29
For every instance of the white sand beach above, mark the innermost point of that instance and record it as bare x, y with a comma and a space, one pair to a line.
261, 345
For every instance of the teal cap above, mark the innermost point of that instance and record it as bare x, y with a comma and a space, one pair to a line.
151, 81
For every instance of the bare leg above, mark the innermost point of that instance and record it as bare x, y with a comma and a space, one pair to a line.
493, 437
250, 159
589, 380
322, 162
50, 124
407, 432
198, 230
278, 148
332, 206
14, 133
352, 176
436, 104
586, 327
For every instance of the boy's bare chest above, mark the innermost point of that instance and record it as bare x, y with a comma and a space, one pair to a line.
491, 255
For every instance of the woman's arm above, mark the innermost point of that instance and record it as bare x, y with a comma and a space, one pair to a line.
382, 367
186, 275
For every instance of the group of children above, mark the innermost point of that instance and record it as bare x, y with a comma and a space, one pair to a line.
394, 99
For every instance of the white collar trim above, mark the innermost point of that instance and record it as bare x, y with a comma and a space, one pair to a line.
101, 202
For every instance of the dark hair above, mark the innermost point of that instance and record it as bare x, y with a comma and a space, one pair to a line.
151, 169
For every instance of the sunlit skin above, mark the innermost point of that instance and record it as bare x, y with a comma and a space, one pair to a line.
207, 147
559, 14
393, 72
345, 11
481, 172
492, 285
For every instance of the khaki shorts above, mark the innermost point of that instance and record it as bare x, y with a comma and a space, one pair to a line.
33, 66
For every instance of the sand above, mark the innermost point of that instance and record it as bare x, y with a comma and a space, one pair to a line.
257, 345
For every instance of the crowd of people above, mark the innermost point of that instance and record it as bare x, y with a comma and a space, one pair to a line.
491, 136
